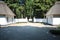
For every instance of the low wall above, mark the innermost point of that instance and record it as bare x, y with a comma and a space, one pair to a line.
3, 21
39, 20
21, 20
56, 21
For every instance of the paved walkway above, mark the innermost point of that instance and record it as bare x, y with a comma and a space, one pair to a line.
27, 32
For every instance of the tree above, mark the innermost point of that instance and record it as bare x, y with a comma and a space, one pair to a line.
21, 11
41, 7
29, 8
16, 7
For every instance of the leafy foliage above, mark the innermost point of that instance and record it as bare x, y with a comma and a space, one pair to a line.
41, 7
30, 8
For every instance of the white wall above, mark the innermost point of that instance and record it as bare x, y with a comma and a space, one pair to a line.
10, 19
39, 20
3, 20
21, 20
56, 21
49, 19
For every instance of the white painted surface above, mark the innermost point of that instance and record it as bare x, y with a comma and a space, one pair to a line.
56, 21
30, 19
3, 20
10, 19
53, 20
21, 20
39, 20
49, 19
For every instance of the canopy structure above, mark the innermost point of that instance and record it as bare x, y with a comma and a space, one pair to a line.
55, 10
5, 10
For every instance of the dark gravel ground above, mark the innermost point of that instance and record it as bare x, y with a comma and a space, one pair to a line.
27, 33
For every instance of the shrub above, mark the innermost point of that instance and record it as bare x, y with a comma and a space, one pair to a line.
55, 31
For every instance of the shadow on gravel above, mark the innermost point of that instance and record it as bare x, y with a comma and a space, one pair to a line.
47, 24
26, 33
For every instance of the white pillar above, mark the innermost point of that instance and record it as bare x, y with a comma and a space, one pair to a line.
34, 20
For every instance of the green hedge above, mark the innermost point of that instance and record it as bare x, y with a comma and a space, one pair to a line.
55, 32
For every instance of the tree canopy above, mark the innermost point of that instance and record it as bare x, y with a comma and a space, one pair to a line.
30, 8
